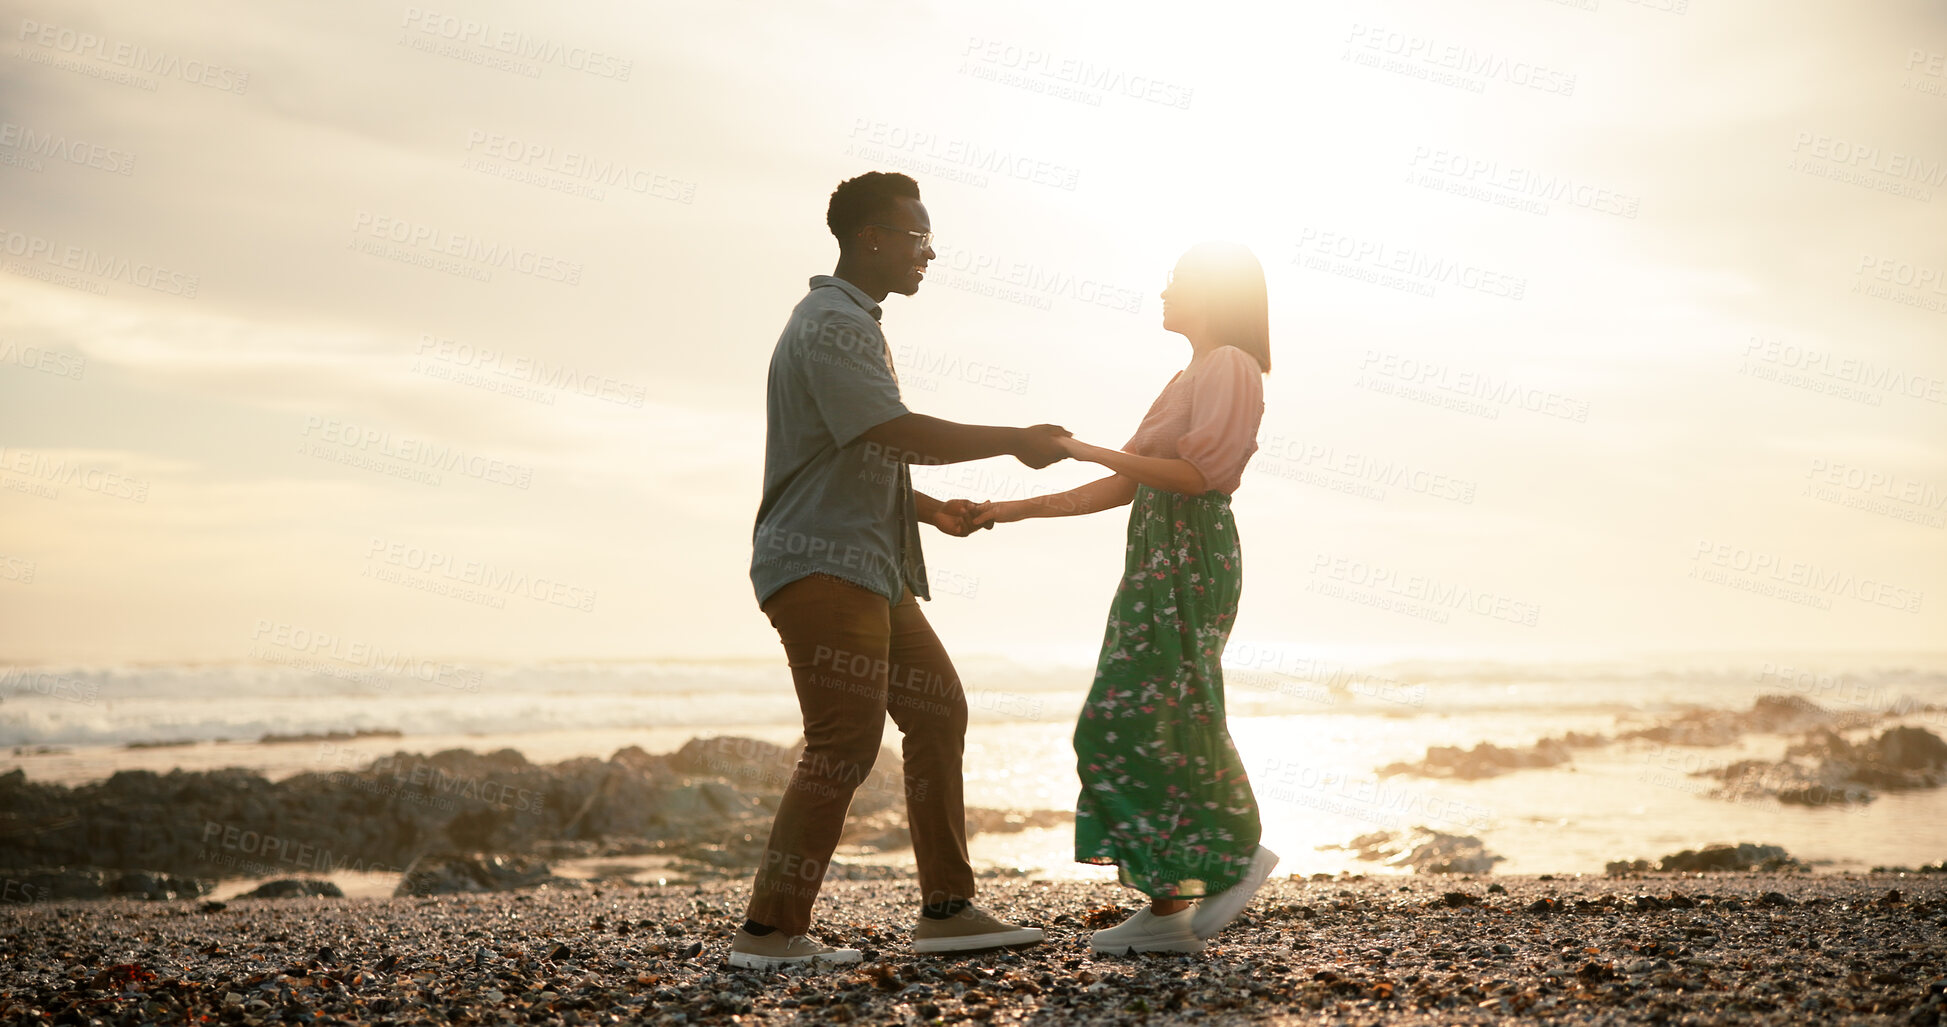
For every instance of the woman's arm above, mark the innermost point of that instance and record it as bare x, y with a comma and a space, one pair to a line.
1155, 472
1102, 494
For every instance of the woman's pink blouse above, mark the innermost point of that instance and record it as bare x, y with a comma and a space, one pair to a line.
1208, 414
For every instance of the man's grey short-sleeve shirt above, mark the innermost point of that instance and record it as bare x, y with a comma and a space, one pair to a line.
833, 503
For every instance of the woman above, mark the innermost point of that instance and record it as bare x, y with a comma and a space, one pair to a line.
1164, 795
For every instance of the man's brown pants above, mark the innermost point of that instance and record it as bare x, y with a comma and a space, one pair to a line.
855, 658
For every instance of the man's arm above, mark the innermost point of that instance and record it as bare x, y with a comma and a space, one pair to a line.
919, 439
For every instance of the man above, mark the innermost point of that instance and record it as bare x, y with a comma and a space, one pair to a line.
837, 569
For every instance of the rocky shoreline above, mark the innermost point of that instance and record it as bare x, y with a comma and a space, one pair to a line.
453, 821
1725, 948
1822, 768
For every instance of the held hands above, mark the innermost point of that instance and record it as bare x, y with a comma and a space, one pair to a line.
986, 515
963, 517
1041, 445
956, 517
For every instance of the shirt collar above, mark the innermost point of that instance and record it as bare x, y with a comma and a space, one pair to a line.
858, 295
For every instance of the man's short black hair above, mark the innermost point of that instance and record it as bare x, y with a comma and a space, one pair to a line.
867, 199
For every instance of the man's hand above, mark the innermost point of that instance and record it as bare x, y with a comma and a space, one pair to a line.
956, 518
1039, 446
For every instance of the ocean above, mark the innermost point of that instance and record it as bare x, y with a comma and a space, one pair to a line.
1313, 733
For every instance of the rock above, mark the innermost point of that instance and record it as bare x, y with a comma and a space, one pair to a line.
1924, 868
1426, 851
1829, 770
326, 736
1594, 971
703, 803
733, 758
1910, 749
1486, 759
1742, 856
294, 888
710, 801
456, 874
1770, 714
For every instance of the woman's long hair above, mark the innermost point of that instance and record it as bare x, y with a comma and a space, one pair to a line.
1230, 282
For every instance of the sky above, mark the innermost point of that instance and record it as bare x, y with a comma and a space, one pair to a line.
1601, 329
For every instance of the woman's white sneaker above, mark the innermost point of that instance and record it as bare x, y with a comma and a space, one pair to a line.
1147, 932
1217, 911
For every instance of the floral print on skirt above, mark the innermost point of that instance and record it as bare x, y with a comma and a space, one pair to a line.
1164, 793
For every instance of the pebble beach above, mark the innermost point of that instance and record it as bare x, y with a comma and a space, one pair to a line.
1650, 948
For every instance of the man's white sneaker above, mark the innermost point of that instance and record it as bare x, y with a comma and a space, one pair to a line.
1147, 932
970, 930
1216, 912
771, 951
